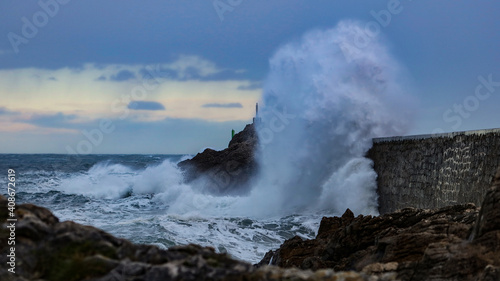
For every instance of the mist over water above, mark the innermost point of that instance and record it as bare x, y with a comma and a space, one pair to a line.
325, 98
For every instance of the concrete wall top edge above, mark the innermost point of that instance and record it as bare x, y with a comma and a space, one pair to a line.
426, 136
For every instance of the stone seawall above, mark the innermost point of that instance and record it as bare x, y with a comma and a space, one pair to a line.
433, 171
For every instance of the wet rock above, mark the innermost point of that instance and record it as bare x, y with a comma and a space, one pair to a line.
457, 242
47, 249
228, 171
489, 216
267, 260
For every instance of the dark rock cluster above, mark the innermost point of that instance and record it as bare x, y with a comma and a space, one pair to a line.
228, 171
458, 242
47, 249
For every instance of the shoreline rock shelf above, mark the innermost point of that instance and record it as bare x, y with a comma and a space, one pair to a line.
460, 242
47, 249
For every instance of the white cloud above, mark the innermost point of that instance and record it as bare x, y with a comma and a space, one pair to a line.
78, 91
185, 67
185, 63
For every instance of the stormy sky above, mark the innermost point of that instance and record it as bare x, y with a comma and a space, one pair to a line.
176, 76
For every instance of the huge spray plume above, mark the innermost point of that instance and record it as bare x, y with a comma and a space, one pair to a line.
325, 98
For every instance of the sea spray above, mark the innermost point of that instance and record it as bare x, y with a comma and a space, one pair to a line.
320, 112
338, 103
108, 180
164, 182
150, 204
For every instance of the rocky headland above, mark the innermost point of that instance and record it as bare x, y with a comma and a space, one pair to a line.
228, 171
460, 242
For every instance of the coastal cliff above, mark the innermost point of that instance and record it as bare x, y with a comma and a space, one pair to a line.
228, 171
423, 171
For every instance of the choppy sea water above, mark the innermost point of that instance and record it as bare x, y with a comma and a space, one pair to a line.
142, 198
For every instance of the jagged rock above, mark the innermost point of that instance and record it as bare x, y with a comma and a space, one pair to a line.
228, 171
452, 243
47, 249
489, 218
266, 260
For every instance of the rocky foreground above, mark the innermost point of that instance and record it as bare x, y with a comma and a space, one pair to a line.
454, 243
47, 249
459, 242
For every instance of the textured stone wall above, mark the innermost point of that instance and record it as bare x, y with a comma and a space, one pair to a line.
431, 171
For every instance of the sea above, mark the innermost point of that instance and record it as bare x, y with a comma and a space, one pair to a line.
322, 108
143, 198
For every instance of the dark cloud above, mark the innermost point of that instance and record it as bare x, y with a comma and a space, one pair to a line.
145, 105
252, 86
191, 73
52, 78
152, 73
123, 75
224, 105
58, 120
101, 78
5, 111
226, 75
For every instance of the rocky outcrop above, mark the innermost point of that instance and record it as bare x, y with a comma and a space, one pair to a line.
452, 243
228, 171
47, 249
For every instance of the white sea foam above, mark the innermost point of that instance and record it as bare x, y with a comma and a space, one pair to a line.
111, 181
320, 112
